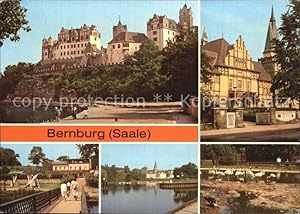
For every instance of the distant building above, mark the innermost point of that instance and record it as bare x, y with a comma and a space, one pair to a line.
123, 43
72, 43
74, 166
156, 174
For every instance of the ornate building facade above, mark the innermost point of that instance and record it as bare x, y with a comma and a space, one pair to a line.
156, 174
71, 43
235, 74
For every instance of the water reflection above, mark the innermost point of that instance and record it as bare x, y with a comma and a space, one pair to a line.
143, 199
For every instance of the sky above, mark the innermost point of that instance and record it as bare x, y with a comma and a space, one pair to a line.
46, 17
52, 151
167, 156
249, 18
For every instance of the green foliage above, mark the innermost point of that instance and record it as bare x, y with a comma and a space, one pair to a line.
218, 152
8, 157
12, 76
287, 80
36, 155
62, 158
92, 181
90, 151
181, 62
189, 170
117, 174
12, 19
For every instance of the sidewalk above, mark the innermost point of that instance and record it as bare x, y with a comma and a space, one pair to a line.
248, 129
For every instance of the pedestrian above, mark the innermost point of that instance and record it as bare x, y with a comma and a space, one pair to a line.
63, 190
75, 189
57, 113
69, 188
278, 160
74, 112
287, 163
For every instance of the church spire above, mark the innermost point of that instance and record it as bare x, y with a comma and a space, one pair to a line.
272, 33
204, 37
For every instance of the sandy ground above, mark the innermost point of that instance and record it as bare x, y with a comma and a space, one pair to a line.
277, 196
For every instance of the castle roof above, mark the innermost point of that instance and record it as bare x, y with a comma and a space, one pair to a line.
130, 37
218, 50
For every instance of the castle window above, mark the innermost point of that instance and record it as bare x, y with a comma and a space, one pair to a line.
64, 53
82, 38
81, 51
239, 85
230, 85
78, 52
168, 32
71, 46
87, 37
119, 46
173, 34
81, 44
95, 39
68, 46
64, 47
154, 32
155, 39
61, 53
68, 53
113, 47
45, 53
78, 45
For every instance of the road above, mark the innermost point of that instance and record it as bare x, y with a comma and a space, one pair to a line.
287, 135
124, 115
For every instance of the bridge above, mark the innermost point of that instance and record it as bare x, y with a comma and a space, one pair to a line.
47, 202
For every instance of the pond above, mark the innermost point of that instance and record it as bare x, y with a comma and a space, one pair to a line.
143, 199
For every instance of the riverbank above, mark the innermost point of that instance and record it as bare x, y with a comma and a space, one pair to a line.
272, 198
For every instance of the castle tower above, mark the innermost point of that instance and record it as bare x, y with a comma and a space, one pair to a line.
269, 51
47, 46
119, 28
204, 37
186, 16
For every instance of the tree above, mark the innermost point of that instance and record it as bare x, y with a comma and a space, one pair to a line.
8, 157
36, 155
144, 69
90, 151
11, 77
218, 152
188, 171
12, 19
181, 62
63, 158
287, 48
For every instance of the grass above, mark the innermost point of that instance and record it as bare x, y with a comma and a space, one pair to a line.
182, 180
44, 186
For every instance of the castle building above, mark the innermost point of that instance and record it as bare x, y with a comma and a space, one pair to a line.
160, 29
71, 43
186, 17
123, 43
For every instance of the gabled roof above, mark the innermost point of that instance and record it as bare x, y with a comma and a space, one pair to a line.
130, 37
220, 47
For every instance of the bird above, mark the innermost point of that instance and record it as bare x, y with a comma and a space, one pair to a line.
259, 175
211, 201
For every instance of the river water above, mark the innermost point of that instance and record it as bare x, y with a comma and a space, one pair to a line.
143, 199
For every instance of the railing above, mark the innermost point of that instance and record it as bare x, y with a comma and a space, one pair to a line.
32, 203
84, 206
178, 185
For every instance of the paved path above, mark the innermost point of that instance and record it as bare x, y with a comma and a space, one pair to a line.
150, 115
190, 209
70, 205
